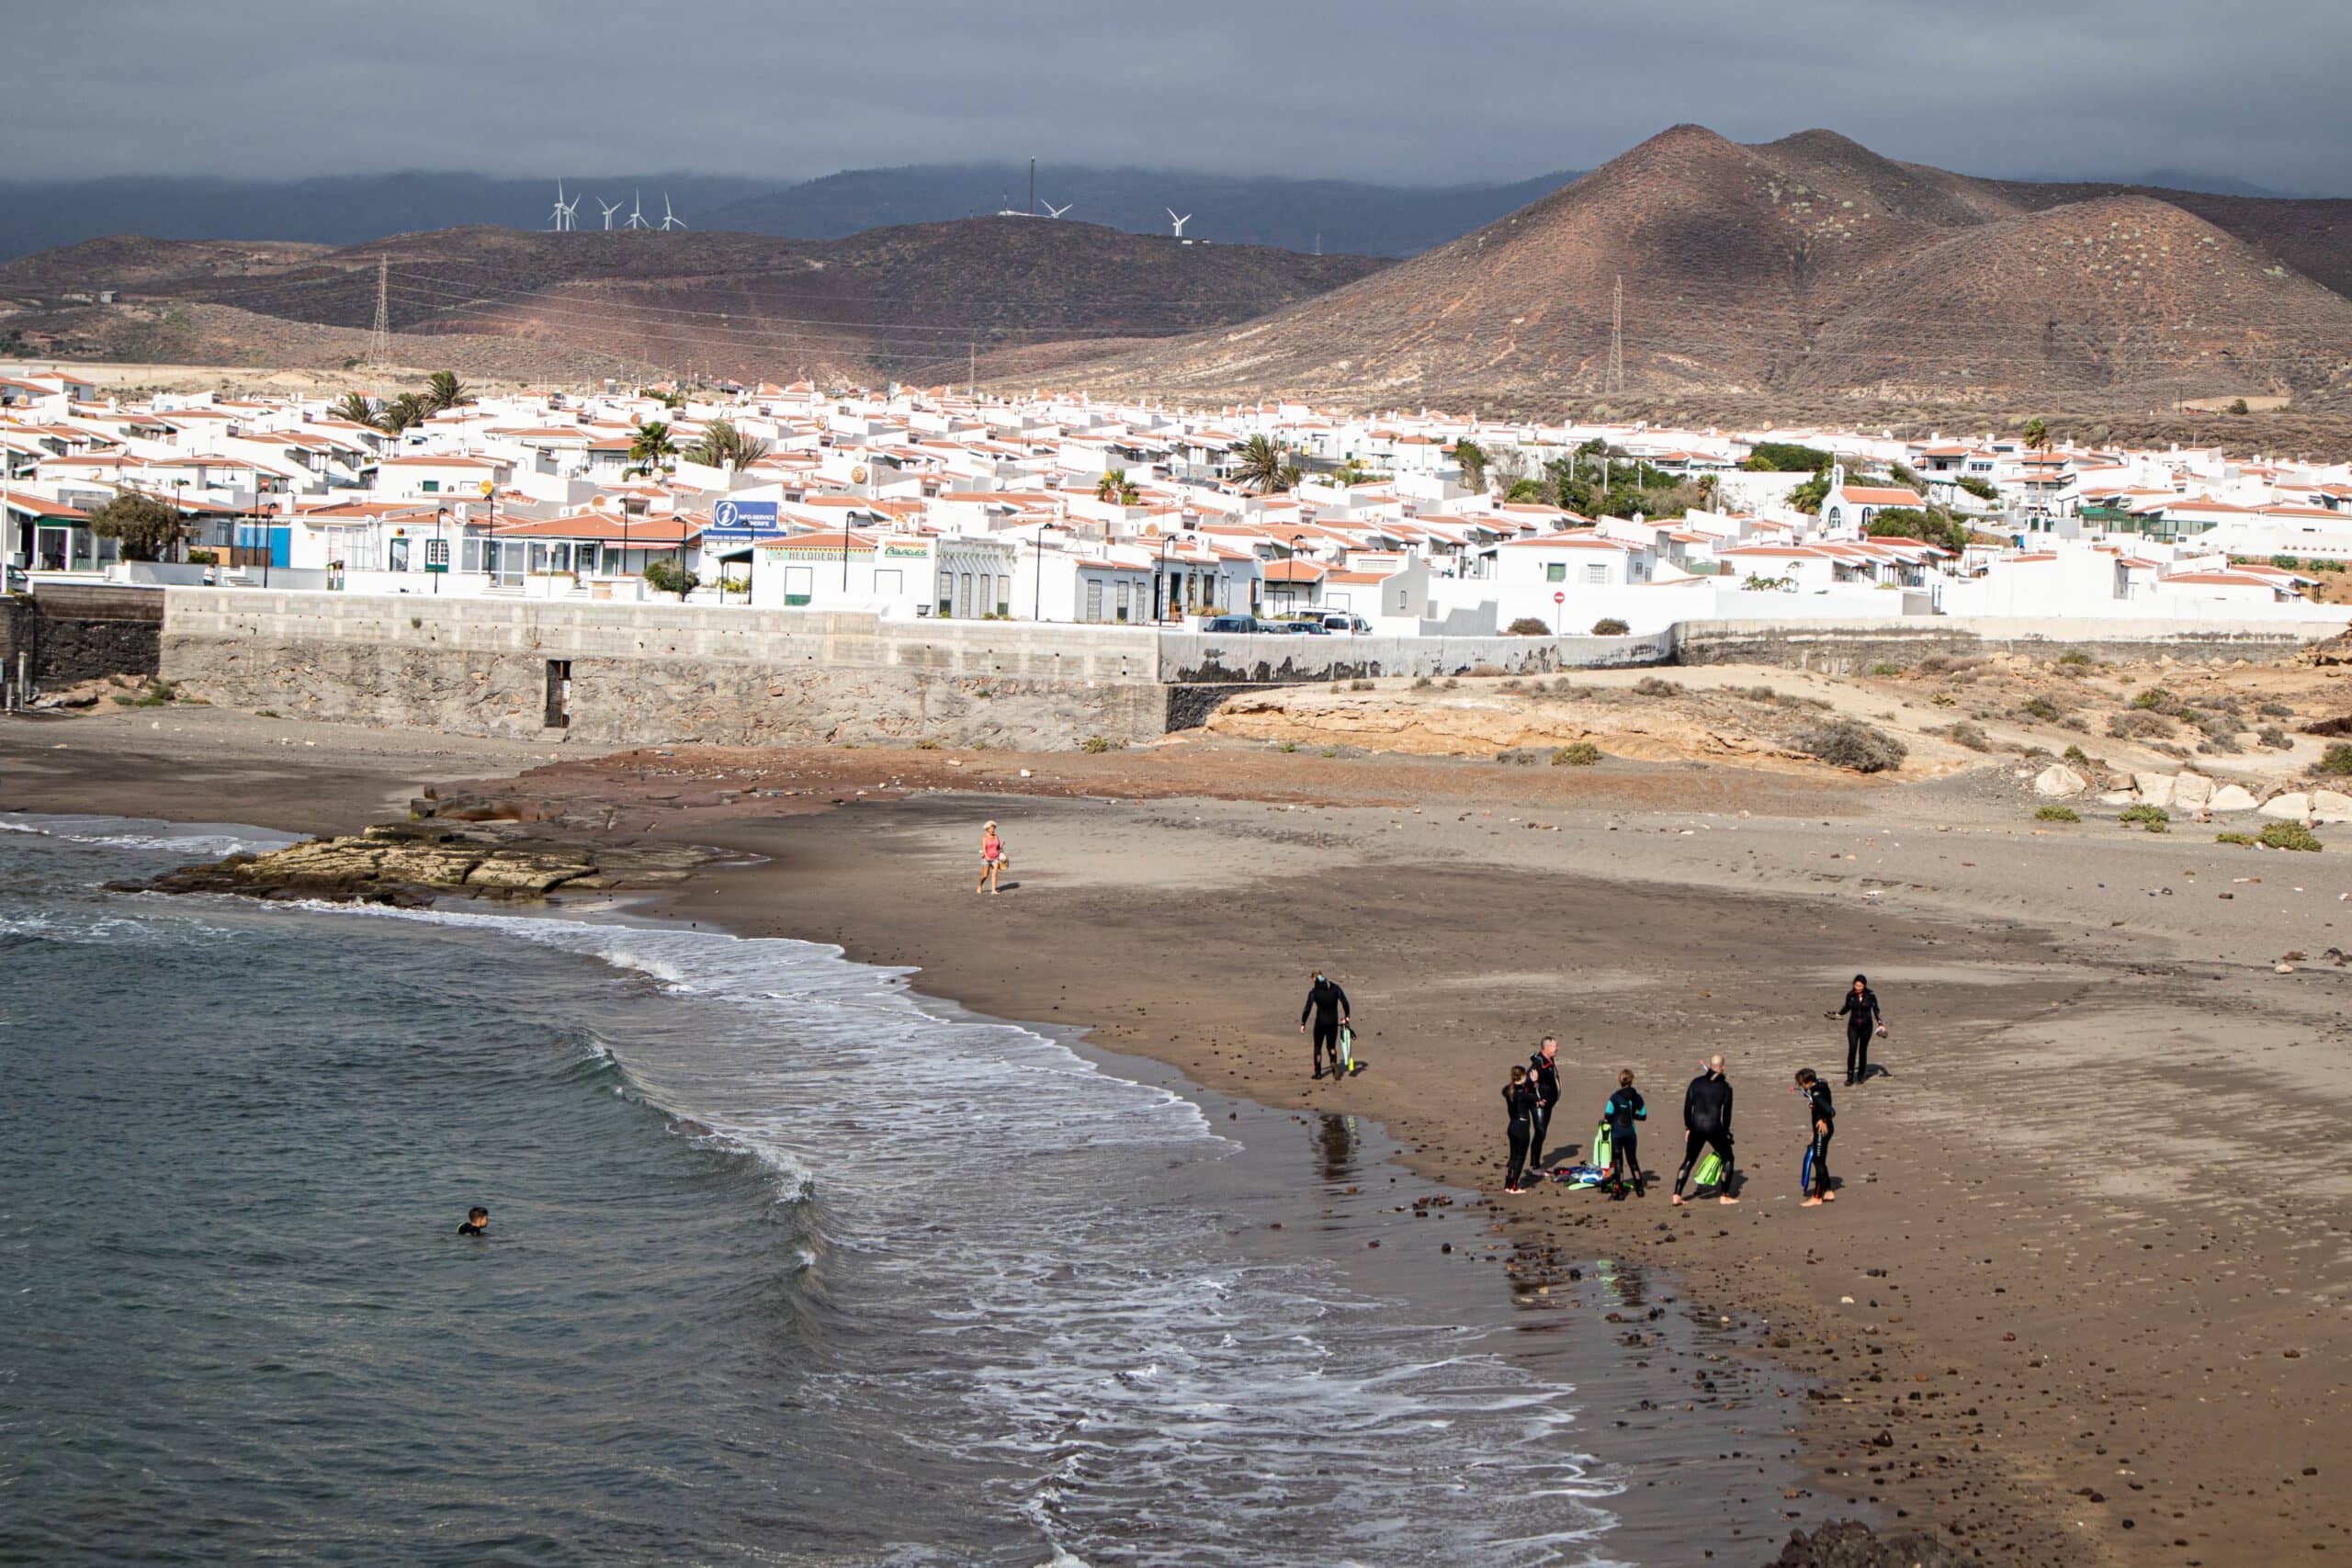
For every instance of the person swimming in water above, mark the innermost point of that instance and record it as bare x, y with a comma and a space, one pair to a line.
477, 1222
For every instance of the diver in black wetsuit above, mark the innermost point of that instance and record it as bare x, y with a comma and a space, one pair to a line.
1327, 1005
1543, 1069
1518, 1103
1706, 1122
1821, 1117
1625, 1109
477, 1223
1860, 1011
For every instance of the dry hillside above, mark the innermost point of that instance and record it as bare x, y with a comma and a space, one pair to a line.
899, 302
1792, 267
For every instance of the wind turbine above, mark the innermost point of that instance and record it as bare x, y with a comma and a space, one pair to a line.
562, 213
637, 213
571, 214
1053, 211
609, 210
670, 220
1180, 223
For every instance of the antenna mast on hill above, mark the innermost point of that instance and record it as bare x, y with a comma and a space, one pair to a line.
379, 339
1616, 381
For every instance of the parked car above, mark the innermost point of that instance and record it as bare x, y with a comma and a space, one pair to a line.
1340, 621
1303, 628
1246, 625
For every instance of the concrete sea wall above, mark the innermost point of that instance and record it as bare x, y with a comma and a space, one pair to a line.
626, 673
1290, 658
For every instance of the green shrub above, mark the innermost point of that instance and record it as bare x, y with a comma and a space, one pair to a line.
2057, 814
2284, 563
1882, 668
2154, 697
2154, 818
2077, 660
2275, 710
2247, 839
2139, 725
1970, 735
2270, 734
1528, 626
2041, 709
1095, 745
1843, 743
2289, 835
1944, 699
1610, 626
1289, 746
2335, 760
2075, 754
1577, 754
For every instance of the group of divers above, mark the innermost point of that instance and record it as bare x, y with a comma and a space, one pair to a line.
1534, 1091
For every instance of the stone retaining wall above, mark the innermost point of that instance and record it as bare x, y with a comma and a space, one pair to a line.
1292, 659
1846, 647
645, 673
72, 633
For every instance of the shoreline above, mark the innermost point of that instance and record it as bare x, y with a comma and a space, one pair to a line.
2112, 1001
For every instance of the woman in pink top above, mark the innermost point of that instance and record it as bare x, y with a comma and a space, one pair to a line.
991, 859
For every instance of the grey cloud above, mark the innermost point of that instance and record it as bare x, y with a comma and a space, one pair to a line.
1376, 89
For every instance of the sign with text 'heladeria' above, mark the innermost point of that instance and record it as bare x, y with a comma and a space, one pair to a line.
740, 521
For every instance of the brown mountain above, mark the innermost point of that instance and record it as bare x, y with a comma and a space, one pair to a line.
901, 302
1808, 264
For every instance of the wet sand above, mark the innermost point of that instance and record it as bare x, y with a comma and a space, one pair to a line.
2083, 1295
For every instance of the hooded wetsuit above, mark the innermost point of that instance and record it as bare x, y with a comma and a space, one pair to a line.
1545, 1077
1328, 1004
1861, 1014
1706, 1121
1519, 1101
1821, 1121
1624, 1110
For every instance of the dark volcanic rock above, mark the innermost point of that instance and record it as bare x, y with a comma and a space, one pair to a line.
1845, 1544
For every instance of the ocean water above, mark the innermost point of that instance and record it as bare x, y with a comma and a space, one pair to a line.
787, 1264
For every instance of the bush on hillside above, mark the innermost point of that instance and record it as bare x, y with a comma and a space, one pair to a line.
1844, 743
2057, 814
2336, 760
1577, 754
1610, 626
1528, 626
1970, 735
2289, 835
1651, 686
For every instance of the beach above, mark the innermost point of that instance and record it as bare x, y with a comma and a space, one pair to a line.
2081, 1298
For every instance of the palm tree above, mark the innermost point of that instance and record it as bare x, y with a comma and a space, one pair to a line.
721, 444
652, 446
1710, 486
1115, 488
443, 390
2036, 434
399, 413
356, 408
1471, 458
1264, 467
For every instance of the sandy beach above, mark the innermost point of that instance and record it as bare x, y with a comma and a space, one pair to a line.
2082, 1298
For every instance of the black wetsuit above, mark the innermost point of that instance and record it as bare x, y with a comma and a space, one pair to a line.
1706, 1120
1861, 1014
469, 1228
1821, 1121
1328, 1004
1519, 1102
1545, 1076
1624, 1110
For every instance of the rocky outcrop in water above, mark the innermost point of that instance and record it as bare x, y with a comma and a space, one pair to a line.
413, 864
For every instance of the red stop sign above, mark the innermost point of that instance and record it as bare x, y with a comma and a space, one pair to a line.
1559, 598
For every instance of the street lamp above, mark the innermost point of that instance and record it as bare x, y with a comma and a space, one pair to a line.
1159, 583
440, 517
1294, 539
1037, 580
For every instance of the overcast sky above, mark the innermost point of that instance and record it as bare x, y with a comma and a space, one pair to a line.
1403, 90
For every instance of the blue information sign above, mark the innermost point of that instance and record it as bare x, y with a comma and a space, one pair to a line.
737, 521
